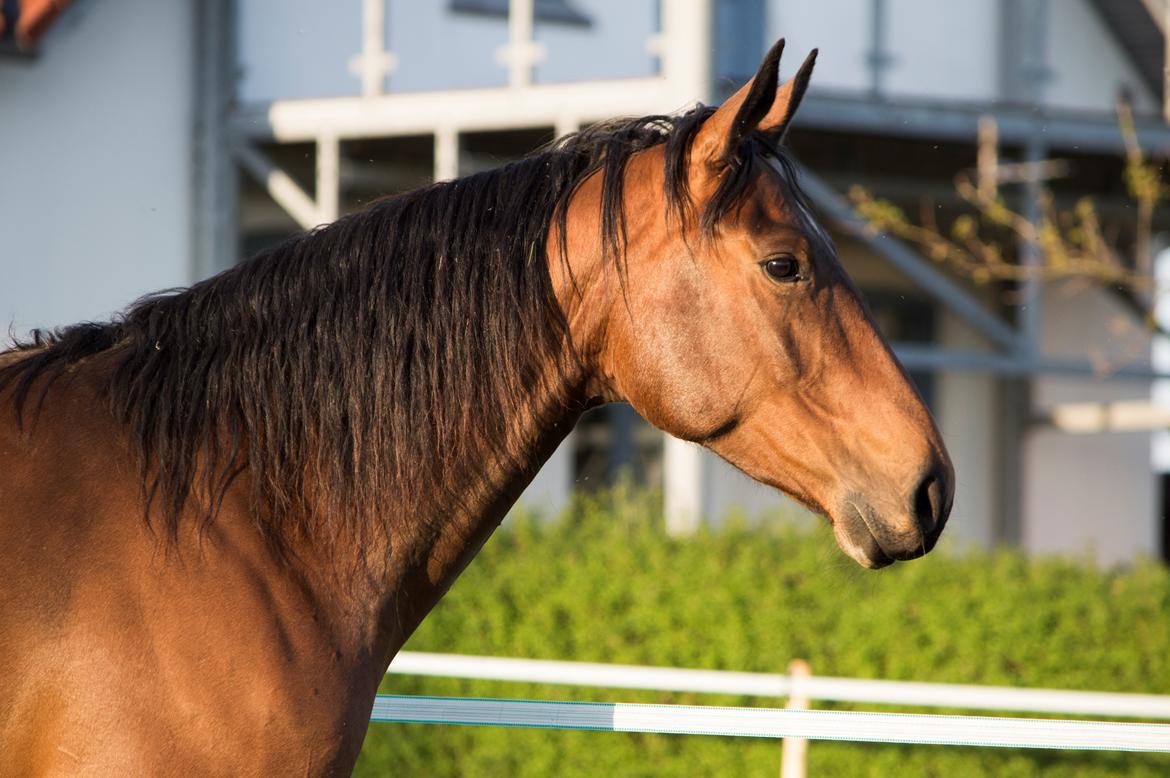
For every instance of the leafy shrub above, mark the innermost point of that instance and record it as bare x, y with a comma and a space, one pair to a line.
603, 583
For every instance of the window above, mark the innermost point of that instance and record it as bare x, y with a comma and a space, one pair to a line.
613, 443
544, 10
27, 22
739, 39
906, 318
9, 14
1164, 483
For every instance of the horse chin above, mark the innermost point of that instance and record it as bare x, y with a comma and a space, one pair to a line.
859, 544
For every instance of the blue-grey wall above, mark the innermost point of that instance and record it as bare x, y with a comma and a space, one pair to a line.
302, 48
95, 163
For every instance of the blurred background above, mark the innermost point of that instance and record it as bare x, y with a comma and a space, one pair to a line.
147, 145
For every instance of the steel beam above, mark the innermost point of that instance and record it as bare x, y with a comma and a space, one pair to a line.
214, 228
939, 120
879, 58
280, 186
919, 357
1035, 76
1030, 306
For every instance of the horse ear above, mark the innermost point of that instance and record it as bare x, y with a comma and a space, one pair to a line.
788, 99
760, 104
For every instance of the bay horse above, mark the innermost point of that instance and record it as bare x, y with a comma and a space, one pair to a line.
223, 513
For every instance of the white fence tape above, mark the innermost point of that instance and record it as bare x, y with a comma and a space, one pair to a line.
1004, 698
915, 728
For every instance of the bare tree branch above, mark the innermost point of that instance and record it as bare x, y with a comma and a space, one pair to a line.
1074, 243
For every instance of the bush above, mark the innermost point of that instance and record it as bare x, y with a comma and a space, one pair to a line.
604, 584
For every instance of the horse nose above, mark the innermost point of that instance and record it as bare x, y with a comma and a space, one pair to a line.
931, 504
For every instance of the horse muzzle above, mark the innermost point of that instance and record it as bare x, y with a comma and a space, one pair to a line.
875, 538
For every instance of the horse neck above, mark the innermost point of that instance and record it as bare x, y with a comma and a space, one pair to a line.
428, 542
498, 482
427, 547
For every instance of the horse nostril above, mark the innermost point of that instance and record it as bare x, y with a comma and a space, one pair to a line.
928, 505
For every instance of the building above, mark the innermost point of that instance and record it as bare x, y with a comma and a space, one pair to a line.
145, 145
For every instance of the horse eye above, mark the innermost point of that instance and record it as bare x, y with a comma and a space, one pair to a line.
782, 268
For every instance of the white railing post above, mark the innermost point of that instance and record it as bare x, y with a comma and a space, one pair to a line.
328, 178
566, 124
794, 750
682, 487
375, 62
446, 153
684, 48
522, 52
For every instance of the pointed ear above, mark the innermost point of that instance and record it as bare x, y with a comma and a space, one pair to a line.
759, 104
788, 99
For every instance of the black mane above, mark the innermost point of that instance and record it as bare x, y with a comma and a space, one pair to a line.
371, 354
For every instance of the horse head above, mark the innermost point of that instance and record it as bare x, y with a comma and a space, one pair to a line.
735, 326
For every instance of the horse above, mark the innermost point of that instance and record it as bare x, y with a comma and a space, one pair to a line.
225, 510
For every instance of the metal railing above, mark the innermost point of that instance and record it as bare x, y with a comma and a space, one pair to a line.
796, 724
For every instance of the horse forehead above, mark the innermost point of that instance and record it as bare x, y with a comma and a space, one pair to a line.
777, 194
768, 199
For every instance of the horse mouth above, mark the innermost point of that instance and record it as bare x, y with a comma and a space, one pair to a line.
862, 547
855, 534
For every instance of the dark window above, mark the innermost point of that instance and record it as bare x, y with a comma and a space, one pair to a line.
9, 15
544, 10
739, 40
906, 318
613, 443
1164, 479
255, 241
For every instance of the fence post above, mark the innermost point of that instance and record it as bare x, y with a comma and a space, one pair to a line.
794, 749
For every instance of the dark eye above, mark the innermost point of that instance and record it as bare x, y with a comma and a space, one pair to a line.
784, 268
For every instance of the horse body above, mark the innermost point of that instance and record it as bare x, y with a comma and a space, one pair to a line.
112, 656
113, 643
321, 439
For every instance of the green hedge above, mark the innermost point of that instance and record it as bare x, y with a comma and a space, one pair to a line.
604, 584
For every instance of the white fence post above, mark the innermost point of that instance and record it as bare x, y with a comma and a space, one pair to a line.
682, 485
794, 750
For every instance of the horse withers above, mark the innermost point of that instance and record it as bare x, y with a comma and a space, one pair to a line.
222, 513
